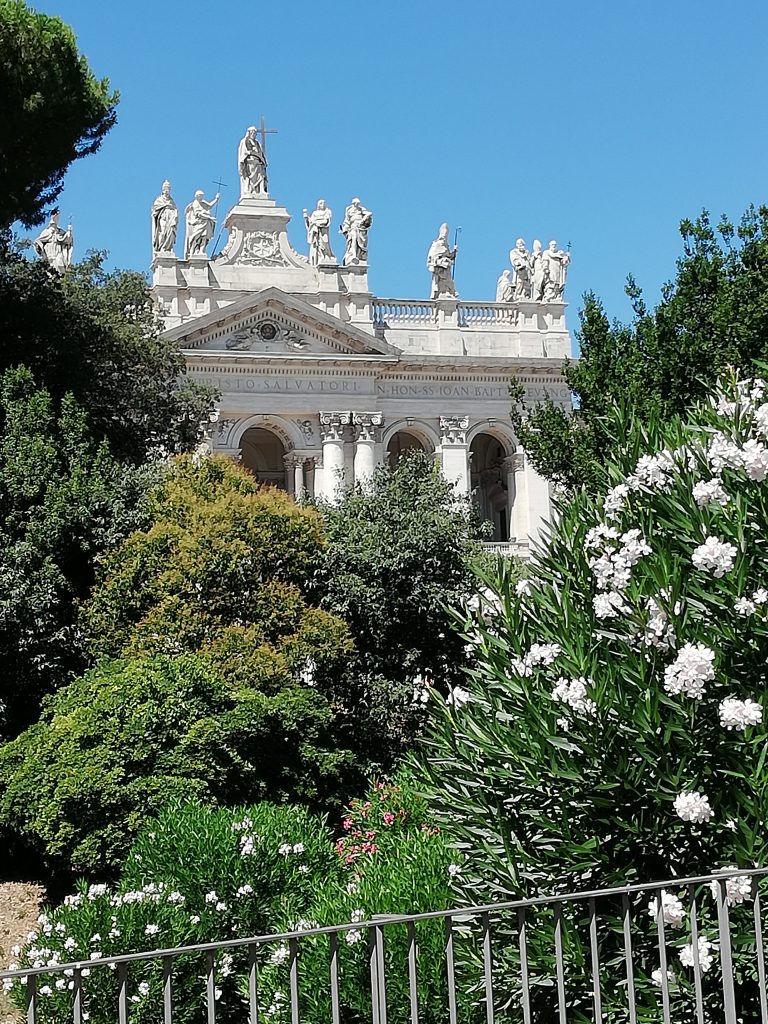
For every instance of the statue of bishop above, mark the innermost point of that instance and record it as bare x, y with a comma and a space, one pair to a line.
440, 260
54, 244
165, 221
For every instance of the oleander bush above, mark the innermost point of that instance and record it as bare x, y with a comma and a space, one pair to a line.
613, 728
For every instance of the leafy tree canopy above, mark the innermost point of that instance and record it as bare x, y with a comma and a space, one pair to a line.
54, 110
63, 499
714, 314
130, 736
398, 554
95, 335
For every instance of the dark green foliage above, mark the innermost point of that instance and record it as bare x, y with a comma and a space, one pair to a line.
131, 736
54, 110
63, 499
95, 335
397, 557
713, 315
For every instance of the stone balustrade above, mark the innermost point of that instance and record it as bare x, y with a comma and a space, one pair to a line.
427, 312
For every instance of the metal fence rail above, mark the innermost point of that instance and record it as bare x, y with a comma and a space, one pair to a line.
695, 954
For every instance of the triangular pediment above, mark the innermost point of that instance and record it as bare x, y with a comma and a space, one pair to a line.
274, 323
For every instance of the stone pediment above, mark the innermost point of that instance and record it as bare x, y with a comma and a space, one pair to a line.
273, 323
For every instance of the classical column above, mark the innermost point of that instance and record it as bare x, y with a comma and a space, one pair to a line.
516, 526
367, 425
333, 430
294, 475
455, 451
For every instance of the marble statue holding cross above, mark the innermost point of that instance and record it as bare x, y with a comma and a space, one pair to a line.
252, 161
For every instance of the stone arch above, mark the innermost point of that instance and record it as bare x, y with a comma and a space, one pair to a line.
492, 476
262, 452
288, 431
407, 434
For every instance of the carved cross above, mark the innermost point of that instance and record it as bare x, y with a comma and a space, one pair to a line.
264, 132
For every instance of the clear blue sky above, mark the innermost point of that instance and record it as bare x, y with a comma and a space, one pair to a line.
599, 123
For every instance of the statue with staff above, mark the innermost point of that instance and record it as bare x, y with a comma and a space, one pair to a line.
252, 161
440, 262
54, 244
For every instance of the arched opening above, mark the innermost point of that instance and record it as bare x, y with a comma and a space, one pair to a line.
400, 443
489, 484
262, 453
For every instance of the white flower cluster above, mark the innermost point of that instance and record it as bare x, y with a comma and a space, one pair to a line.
706, 956
458, 697
672, 909
573, 692
738, 889
691, 669
615, 501
354, 935
286, 849
654, 472
749, 605
539, 654
710, 492
212, 899
716, 556
656, 976
523, 588
739, 714
616, 554
693, 807
659, 631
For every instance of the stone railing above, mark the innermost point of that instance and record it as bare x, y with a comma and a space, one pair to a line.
508, 548
392, 312
428, 312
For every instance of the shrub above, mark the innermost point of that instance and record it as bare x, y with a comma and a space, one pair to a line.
198, 874
130, 736
613, 728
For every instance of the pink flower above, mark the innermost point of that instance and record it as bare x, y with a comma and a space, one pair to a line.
346, 824
388, 817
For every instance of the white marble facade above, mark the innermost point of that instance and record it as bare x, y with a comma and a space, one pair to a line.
321, 381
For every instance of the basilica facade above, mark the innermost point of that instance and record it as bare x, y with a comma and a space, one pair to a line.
322, 381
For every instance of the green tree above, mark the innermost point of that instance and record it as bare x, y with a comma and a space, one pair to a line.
714, 314
63, 499
55, 110
95, 335
131, 736
614, 729
399, 554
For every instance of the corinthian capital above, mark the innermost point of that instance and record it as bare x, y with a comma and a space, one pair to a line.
366, 425
333, 425
453, 429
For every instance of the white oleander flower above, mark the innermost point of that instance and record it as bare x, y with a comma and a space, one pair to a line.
523, 588
722, 453
656, 976
284, 849
353, 936
458, 697
755, 460
194, 919
615, 501
691, 669
454, 870
279, 954
738, 889
573, 692
706, 958
739, 714
46, 990
212, 896
152, 929
673, 911
710, 492
743, 606
760, 596
693, 807
245, 890
298, 847
598, 535
761, 419
539, 654
608, 605
143, 988
176, 897
715, 555
658, 631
